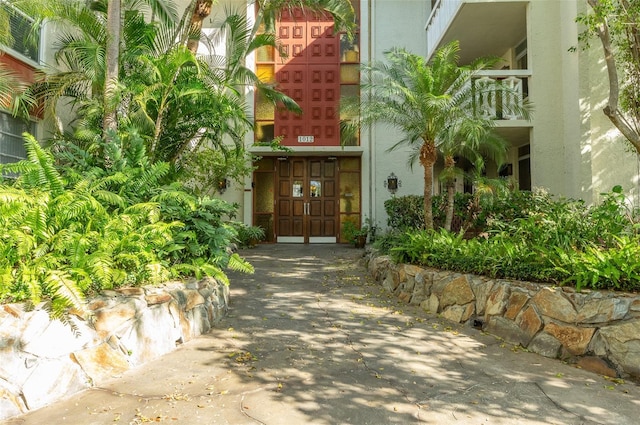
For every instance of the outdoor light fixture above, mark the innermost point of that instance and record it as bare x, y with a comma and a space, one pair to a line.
392, 183
222, 185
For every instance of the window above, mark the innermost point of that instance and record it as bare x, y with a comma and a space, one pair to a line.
25, 37
350, 75
11, 142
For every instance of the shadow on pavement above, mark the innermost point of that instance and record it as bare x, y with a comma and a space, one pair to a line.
309, 339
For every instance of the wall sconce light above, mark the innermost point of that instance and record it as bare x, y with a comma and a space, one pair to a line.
222, 185
392, 183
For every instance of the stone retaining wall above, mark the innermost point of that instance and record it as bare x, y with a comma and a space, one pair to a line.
597, 329
43, 360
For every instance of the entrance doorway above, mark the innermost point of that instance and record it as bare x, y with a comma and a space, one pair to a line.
306, 199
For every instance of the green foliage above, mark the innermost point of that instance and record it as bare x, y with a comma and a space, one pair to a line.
407, 212
99, 222
205, 169
530, 236
248, 235
352, 232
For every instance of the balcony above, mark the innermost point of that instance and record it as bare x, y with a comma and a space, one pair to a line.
483, 27
500, 95
440, 19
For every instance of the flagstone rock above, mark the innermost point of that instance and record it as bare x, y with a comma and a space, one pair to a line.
505, 328
432, 304
497, 300
116, 316
457, 292
419, 291
11, 401
101, 362
530, 323
55, 340
130, 291
52, 379
622, 342
426, 279
603, 310
390, 284
150, 335
517, 300
153, 299
459, 313
596, 365
574, 339
552, 303
481, 288
404, 296
378, 266
408, 284
545, 344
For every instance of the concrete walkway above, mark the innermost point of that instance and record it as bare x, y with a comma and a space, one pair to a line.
310, 340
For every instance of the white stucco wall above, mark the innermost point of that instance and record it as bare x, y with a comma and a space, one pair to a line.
612, 160
575, 151
397, 24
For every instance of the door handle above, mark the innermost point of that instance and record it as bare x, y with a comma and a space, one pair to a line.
306, 208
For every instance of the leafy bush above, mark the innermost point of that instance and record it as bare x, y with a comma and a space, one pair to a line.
407, 212
67, 233
530, 236
248, 235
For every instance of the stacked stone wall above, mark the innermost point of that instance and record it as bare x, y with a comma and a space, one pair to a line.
599, 330
43, 360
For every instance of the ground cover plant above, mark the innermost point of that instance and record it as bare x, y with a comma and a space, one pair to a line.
527, 236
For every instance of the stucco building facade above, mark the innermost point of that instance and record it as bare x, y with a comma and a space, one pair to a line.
305, 194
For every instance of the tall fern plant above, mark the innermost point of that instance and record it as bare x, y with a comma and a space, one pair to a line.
30, 212
71, 233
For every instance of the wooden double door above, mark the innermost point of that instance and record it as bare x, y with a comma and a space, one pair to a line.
307, 200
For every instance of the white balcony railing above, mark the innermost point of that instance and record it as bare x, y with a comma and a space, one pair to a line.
441, 17
501, 94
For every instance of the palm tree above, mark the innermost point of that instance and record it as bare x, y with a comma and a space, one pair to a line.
112, 63
431, 103
479, 144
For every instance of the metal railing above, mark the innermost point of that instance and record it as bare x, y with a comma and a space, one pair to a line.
441, 17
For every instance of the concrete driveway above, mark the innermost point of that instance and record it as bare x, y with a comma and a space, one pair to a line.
311, 340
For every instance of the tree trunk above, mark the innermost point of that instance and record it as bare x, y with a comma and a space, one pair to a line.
612, 110
449, 164
428, 155
112, 63
200, 13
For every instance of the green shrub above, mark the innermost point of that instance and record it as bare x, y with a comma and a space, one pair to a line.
530, 236
405, 212
69, 232
248, 236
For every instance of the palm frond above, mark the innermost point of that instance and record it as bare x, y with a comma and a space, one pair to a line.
239, 264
